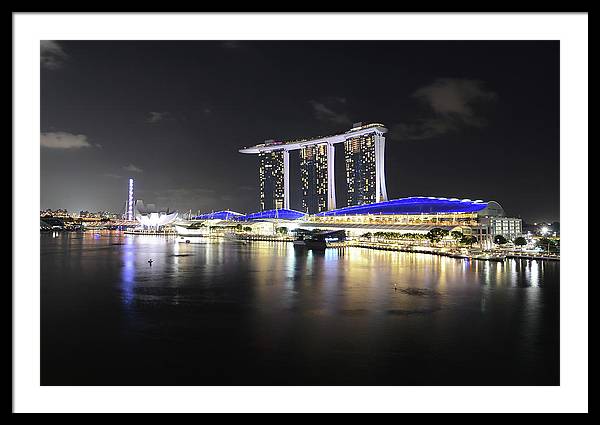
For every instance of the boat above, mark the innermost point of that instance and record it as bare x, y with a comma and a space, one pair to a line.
192, 228
319, 240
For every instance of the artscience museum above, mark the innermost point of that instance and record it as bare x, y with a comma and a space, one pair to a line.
152, 218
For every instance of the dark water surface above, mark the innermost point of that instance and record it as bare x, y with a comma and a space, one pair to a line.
262, 313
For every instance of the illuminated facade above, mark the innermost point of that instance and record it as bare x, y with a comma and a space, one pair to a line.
412, 215
278, 214
359, 153
508, 227
218, 215
130, 216
273, 178
150, 217
365, 171
313, 169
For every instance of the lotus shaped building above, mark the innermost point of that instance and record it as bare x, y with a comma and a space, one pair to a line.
152, 218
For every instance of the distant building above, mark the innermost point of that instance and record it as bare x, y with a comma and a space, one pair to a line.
508, 227
62, 213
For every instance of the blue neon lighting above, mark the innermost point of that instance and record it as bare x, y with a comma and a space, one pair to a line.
282, 214
412, 205
219, 215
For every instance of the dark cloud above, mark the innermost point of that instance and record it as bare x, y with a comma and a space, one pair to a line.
52, 55
183, 199
133, 168
452, 104
324, 111
112, 175
154, 117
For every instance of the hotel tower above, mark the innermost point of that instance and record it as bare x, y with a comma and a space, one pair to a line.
364, 160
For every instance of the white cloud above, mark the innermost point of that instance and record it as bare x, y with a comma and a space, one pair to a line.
52, 55
62, 140
133, 168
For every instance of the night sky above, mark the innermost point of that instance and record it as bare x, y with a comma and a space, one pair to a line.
466, 119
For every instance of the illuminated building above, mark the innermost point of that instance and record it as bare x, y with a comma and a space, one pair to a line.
274, 179
130, 216
61, 213
152, 218
218, 215
416, 215
278, 214
508, 227
419, 214
365, 171
313, 168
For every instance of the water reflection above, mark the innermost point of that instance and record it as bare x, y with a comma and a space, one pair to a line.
272, 310
128, 271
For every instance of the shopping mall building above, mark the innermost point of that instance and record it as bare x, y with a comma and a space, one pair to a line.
483, 219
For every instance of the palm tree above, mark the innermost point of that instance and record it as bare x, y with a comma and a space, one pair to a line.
500, 240
456, 235
468, 240
520, 241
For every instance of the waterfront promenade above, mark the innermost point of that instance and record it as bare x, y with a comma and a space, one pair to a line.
466, 253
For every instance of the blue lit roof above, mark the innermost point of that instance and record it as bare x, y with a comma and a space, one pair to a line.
218, 215
412, 205
282, 214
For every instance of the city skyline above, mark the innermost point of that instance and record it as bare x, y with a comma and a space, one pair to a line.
484, 129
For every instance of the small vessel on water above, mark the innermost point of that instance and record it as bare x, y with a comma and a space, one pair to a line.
192, 228
319, 240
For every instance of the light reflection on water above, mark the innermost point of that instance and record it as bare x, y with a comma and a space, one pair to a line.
128, 271
280, 306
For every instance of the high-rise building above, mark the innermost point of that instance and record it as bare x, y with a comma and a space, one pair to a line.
272, 179
365, 165
313, 169
130, 215
365, 173
361, 169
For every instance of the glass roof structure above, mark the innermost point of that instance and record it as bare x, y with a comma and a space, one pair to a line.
412, 205
219, 215
282, 214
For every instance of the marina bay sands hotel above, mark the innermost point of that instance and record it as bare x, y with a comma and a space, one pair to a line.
364, 147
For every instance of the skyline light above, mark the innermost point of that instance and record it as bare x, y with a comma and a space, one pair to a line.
130, 201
